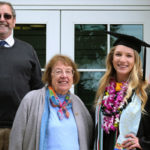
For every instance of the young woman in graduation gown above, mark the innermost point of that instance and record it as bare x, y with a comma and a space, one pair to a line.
123, 99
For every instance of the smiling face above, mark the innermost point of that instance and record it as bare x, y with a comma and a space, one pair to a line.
123, 62
6, 25
62, 78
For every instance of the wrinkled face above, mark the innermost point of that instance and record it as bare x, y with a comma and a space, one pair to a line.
6, 25
123, 61
62, 78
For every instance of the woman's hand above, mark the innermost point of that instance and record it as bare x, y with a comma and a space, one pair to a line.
132, 142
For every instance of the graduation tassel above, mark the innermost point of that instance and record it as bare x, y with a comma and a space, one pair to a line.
144, 64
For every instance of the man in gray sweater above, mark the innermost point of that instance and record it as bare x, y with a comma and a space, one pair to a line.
19, 71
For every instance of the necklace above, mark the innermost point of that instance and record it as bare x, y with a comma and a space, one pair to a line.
112, 104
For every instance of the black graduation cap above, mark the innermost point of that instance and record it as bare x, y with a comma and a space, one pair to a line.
132, 42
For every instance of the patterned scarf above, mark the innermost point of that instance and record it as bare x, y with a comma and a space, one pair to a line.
63, 107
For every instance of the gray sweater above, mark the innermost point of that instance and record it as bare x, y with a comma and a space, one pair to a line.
25, 133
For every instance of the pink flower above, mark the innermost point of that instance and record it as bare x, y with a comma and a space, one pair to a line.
112, 104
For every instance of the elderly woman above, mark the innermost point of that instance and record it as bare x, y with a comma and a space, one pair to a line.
52, 118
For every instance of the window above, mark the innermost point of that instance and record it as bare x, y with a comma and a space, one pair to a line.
91, 49
35, 34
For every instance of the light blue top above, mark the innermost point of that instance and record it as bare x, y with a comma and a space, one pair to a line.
61, 134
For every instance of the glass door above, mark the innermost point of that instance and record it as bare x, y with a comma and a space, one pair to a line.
83, 40
41, 29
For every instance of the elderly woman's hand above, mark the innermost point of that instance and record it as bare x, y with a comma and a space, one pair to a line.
132, 142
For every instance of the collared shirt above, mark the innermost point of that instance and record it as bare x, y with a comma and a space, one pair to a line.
10, 41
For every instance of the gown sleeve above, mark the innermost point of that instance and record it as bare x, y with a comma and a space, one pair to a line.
144, 128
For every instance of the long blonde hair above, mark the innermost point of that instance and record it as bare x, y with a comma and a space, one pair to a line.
135, 81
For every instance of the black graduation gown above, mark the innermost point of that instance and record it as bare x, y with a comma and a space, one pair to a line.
144, 128
143, 132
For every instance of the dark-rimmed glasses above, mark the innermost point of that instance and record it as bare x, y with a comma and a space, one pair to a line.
6, 16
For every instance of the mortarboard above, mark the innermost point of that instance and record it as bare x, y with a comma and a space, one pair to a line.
132, 42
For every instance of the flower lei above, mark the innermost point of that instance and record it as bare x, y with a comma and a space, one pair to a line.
112, 104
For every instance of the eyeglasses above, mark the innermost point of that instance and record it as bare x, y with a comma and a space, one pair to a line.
6, 16
68, 72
